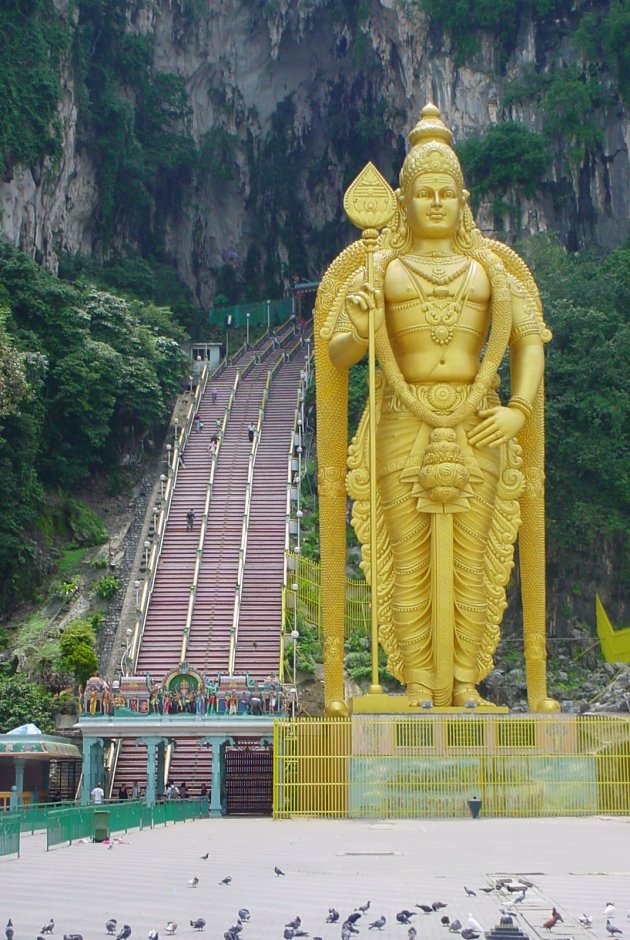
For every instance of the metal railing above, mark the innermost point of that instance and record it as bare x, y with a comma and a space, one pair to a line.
78, 822
10, 834
430, 767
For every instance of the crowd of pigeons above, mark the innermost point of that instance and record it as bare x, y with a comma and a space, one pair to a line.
364, 919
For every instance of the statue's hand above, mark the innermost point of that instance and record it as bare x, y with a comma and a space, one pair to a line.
499, 425
361, 306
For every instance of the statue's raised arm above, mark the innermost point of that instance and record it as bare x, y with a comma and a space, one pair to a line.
458, 468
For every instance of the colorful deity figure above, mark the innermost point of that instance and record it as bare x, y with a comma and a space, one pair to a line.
456, 467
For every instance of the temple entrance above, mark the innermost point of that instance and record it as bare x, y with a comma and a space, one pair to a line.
248, 780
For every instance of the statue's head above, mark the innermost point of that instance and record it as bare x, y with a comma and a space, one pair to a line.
431, 159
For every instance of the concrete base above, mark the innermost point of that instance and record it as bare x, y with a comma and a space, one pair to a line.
384, 704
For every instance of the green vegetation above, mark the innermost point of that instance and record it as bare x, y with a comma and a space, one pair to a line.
76, 646
21, 701
98, 373
34, 41
506, 156
106, 587
603, 36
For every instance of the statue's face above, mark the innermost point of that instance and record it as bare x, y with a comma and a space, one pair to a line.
433, 205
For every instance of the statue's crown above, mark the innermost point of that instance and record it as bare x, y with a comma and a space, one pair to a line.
431, 149
430, 127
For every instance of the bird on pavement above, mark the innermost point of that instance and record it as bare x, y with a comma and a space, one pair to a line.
379, 923
352, 918
291, 932
72, 936
9, 930
469, 934
404, 916
426, 908
193, 882
412, 933
506, 920
364, 908
456, 926
226, 880
295, 923
198, 924
551, 922
171, 927
277, 870
474, 924
50, 926
612, 930
204, 858
124, 933
586, 920
153, 935
333, 916
487, 890
244, 914
445, 920
110, 925
438, 905
610, 909
470, 892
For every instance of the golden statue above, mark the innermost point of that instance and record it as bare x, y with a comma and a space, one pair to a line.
457, 471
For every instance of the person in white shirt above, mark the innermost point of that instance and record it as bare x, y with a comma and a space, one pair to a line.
97, 795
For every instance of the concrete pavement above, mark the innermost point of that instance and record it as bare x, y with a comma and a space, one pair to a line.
578, 865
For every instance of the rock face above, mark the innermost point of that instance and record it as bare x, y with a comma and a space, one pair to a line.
298, 75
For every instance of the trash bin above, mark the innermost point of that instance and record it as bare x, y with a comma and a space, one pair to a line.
101, 825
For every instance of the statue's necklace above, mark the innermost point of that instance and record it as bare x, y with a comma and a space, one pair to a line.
434, 268
442, 309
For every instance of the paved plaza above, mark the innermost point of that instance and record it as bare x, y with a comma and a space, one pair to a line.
578, 865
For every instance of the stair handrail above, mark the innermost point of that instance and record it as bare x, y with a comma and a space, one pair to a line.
293, 443
242, 554
204, 523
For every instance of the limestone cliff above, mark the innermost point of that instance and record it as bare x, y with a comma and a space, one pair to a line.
303, 92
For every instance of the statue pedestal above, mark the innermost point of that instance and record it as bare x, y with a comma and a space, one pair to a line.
383, 704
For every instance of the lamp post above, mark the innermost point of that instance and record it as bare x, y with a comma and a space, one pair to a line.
268, 302
247, 330
162, 482
176, 426
228, 324
124, 666
155, 517
191, 379
136, 584
169, 448
295, 635
298, 516
299, 476
147, 546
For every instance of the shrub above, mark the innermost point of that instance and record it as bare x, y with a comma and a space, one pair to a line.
107, 586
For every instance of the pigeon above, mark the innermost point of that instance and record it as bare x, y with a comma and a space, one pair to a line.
290, 933
586, 920
438, 905
412, 933
474, 924
507, 920
204, 858
198, 924
9, 930
193, 882
426, 908
378, 924
445, 920
110, 925
556, 913
610, 909
171, 927
50, 926
469, 934
456, 926
244, 914
295, 923
124, 933
403, 917
364, 908
277, 870
487, 890
352, 918
333, 916
72, 936
612, 930
470, 892
226, 880
153, 935
347, 930
551, 922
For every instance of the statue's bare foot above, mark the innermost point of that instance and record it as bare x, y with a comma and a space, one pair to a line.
467, 696
419, 695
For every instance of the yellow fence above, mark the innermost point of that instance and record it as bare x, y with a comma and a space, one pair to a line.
306, 604
431, 766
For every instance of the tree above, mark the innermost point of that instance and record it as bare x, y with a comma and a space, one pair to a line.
23, 701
